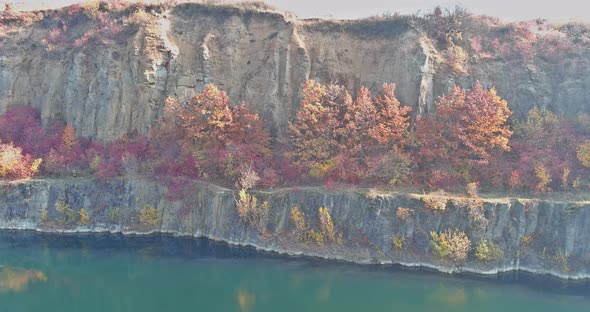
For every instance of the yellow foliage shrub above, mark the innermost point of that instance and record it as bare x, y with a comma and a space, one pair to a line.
487, 251
115, 215
250, 211
435, 201
452, 245
149, 216
404, 213
298, 219
84, 217
316, 237
44, 216
398, 241
327, 226
68, 215
319, 170
544, 177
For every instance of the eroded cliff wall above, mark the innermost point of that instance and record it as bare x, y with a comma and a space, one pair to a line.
259, 58
537, 236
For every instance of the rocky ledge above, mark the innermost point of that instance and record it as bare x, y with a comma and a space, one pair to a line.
538, 236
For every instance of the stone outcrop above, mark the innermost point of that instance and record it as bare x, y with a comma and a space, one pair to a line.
259, 58
536, 236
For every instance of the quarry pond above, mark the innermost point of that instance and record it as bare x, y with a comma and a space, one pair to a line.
104, 272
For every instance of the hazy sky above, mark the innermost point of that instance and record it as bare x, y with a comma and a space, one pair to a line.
559, 10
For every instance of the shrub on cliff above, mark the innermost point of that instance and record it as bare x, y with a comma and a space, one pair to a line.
326, 224
298, 220
84, 217
149, 217
486, 251
452, 245
67, 215
250, 211
404, 213
436, 201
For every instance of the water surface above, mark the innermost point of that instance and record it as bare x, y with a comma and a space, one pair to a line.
40, 272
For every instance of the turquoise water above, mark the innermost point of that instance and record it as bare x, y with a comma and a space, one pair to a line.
108, 273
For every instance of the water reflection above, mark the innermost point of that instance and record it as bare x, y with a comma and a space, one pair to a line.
17, 280
324, 292
155, 274
453, 297
246, 300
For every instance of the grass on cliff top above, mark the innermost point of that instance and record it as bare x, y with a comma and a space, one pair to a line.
582, 198
577, 198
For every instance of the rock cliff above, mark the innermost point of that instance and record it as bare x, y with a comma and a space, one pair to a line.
536, 236
118, 87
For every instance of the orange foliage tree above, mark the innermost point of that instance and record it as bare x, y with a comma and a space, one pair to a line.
376, 124
68, 156
69, 138
467, 129
344, 139
224, 138
317, 130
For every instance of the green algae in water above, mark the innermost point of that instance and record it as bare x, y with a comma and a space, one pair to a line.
111, 273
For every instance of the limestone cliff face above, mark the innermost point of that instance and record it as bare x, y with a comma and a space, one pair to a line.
537, 236
259, 58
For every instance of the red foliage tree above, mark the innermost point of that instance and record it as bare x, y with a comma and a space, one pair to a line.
467, 129
546, 143
21, 125
220, 136
392, 119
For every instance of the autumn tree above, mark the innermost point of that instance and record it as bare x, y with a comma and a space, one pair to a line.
206, 117
16, 165
337, 137
360, 119
468, 128
69, 138
391, 127
221, 136
388, 137
67, 156
317, 128
21, 125
376, 124
544, 147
